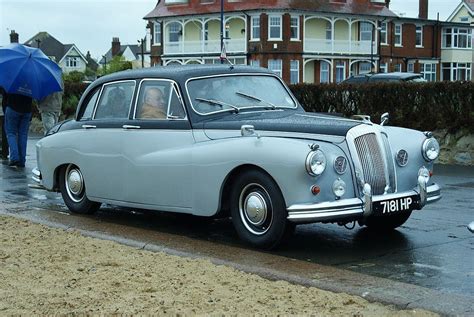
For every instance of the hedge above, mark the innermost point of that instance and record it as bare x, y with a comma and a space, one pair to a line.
423, 106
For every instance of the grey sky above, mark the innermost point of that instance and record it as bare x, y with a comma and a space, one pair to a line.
91, 24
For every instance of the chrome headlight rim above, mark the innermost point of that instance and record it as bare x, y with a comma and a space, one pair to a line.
339, 188
426, 148
322, 167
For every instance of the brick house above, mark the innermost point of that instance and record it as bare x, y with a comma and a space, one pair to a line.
303, 41
130, 52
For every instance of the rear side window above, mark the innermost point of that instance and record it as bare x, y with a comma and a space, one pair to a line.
89, 108
115, 100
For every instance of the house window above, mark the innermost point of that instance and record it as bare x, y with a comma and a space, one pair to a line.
340, 71
274, 28
383, 33
324, 73
175, 31
255, 28
456, 71
411, 68
419, 36
365, 68
457, 38
176, 1
383, 67
429, 71
255, 62
275, 65
71, 62
157, 33
398, 34
328, 31
397, 68
295, 28
366, 29
294, 72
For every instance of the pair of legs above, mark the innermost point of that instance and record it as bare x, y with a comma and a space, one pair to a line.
17, 125
49, 119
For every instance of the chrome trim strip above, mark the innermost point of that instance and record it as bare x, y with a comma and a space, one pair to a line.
36, 175
334, 210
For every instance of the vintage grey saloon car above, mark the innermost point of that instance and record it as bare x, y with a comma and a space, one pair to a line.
233, 141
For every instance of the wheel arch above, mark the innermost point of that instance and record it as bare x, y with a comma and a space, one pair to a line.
224, 200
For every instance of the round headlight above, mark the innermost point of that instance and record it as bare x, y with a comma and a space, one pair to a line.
315, 163
430, 149
339, 187
340, 165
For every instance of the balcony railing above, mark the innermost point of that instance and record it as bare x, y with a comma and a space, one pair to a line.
338, 46
210, 46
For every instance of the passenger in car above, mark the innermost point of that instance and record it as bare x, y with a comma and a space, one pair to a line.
154, 106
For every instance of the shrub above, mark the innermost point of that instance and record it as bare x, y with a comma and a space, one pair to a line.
423, 106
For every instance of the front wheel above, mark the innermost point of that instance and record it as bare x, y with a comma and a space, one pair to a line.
390, 222
258, 210
73, 190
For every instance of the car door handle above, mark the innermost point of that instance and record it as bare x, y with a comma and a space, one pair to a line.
131, 127
88, 126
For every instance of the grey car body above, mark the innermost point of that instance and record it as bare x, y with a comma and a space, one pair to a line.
270, 165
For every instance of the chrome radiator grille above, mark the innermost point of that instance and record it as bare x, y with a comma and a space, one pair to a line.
377, 167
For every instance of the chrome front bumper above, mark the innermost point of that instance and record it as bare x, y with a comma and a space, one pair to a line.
358, 207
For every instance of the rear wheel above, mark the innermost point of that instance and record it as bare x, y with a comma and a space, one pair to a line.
390, 222
258, 210
73, 190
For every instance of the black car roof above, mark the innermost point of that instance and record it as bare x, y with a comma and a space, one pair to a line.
180, 73
398, 75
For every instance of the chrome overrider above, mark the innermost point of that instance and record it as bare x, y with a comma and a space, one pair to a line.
354, 208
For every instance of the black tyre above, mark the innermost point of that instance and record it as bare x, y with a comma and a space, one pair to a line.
73, 190
258, 210
384, 223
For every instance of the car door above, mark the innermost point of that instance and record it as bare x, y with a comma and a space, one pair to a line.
101, 142
158, 148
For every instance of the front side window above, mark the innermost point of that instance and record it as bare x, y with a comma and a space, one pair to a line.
255, 28
295, 28
238, 92
294, 72
419, 36
275, 65
115, 100
158, 100
398, 34
274, 28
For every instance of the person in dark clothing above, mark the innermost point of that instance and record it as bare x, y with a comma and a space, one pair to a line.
17, 123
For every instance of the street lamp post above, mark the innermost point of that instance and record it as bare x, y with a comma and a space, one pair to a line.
222, 30
141, 42
105, 63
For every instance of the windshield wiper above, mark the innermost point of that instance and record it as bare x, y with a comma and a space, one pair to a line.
256, 98
218, 103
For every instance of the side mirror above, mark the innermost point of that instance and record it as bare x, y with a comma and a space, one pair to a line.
384, 118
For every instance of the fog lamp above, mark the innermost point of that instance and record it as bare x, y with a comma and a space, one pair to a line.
339, 188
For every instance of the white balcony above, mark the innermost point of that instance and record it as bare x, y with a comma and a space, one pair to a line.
339, 46
199, 47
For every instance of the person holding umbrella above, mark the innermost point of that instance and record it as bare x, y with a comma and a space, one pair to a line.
26, 73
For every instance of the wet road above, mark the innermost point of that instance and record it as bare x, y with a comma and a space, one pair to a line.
432, 254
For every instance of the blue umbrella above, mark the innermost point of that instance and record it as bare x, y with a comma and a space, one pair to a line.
27, 71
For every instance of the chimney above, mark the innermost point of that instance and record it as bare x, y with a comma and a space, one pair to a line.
115, 46
423, 13
13, 37
387, 3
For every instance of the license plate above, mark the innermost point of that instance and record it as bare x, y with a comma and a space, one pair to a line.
386, 207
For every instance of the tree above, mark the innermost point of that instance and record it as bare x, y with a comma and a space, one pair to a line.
118, 63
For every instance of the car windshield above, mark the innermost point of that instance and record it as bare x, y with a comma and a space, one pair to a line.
235, 93
417, 79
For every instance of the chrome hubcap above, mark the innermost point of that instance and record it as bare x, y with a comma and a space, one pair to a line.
255, 208
74, 184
